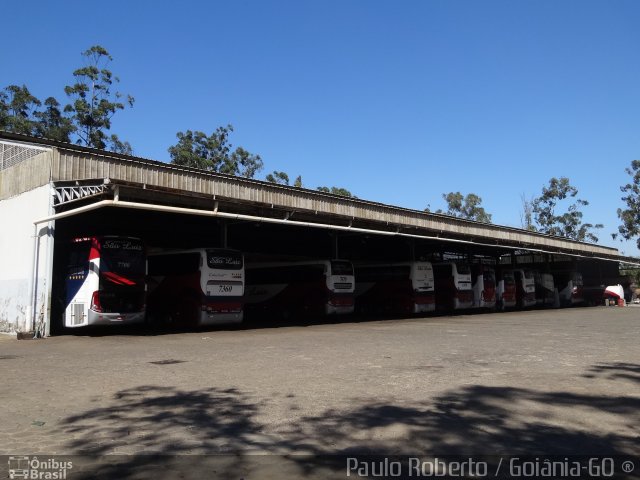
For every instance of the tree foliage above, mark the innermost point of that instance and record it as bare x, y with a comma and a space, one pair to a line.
94, 103
526, 214
337, 191
214, 153
630, 216
567, 223
467, 207
86, 120
17, 108
51, 122
280, 178
632, 272
19, 113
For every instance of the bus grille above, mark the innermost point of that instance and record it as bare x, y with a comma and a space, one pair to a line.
343, 286
77, 314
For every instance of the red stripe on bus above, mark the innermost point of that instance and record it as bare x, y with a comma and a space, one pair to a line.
119, 279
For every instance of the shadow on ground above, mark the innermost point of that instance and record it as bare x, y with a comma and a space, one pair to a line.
615, 371
152, 422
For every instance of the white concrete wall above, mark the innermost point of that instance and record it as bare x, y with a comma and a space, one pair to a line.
17, 215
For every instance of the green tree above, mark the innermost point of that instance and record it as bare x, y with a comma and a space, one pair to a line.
244, 163
93, 103
467, 207
565, 224
280, 178
213, 153
17, 108
526, 214
336, 191
52, 124
4, 110
632, 272
630, 216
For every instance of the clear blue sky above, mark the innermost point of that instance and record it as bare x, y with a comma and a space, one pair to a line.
398, 102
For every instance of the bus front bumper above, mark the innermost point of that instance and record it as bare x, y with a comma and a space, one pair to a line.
462, 304
486, 304
424, 307
101, 318
207, 318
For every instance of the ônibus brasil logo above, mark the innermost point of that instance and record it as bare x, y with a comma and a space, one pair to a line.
24, 467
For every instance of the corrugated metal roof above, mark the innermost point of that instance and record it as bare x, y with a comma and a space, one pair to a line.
71, 162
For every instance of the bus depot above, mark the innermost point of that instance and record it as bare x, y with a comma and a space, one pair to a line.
96, 238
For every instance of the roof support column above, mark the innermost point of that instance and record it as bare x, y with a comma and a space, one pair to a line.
224, 234
335, 250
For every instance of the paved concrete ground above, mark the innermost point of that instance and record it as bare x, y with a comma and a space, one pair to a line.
555, 382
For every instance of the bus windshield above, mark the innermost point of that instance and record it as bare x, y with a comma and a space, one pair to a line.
122, 256
463, 269
489, 278
224, 259
341, 267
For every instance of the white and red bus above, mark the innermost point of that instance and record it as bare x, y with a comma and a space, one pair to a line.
570, 288
545, 289
105, 281
614, 292
300, 287
506, 290
525, 288
483, 279
398, 288
453, 285
196, 287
